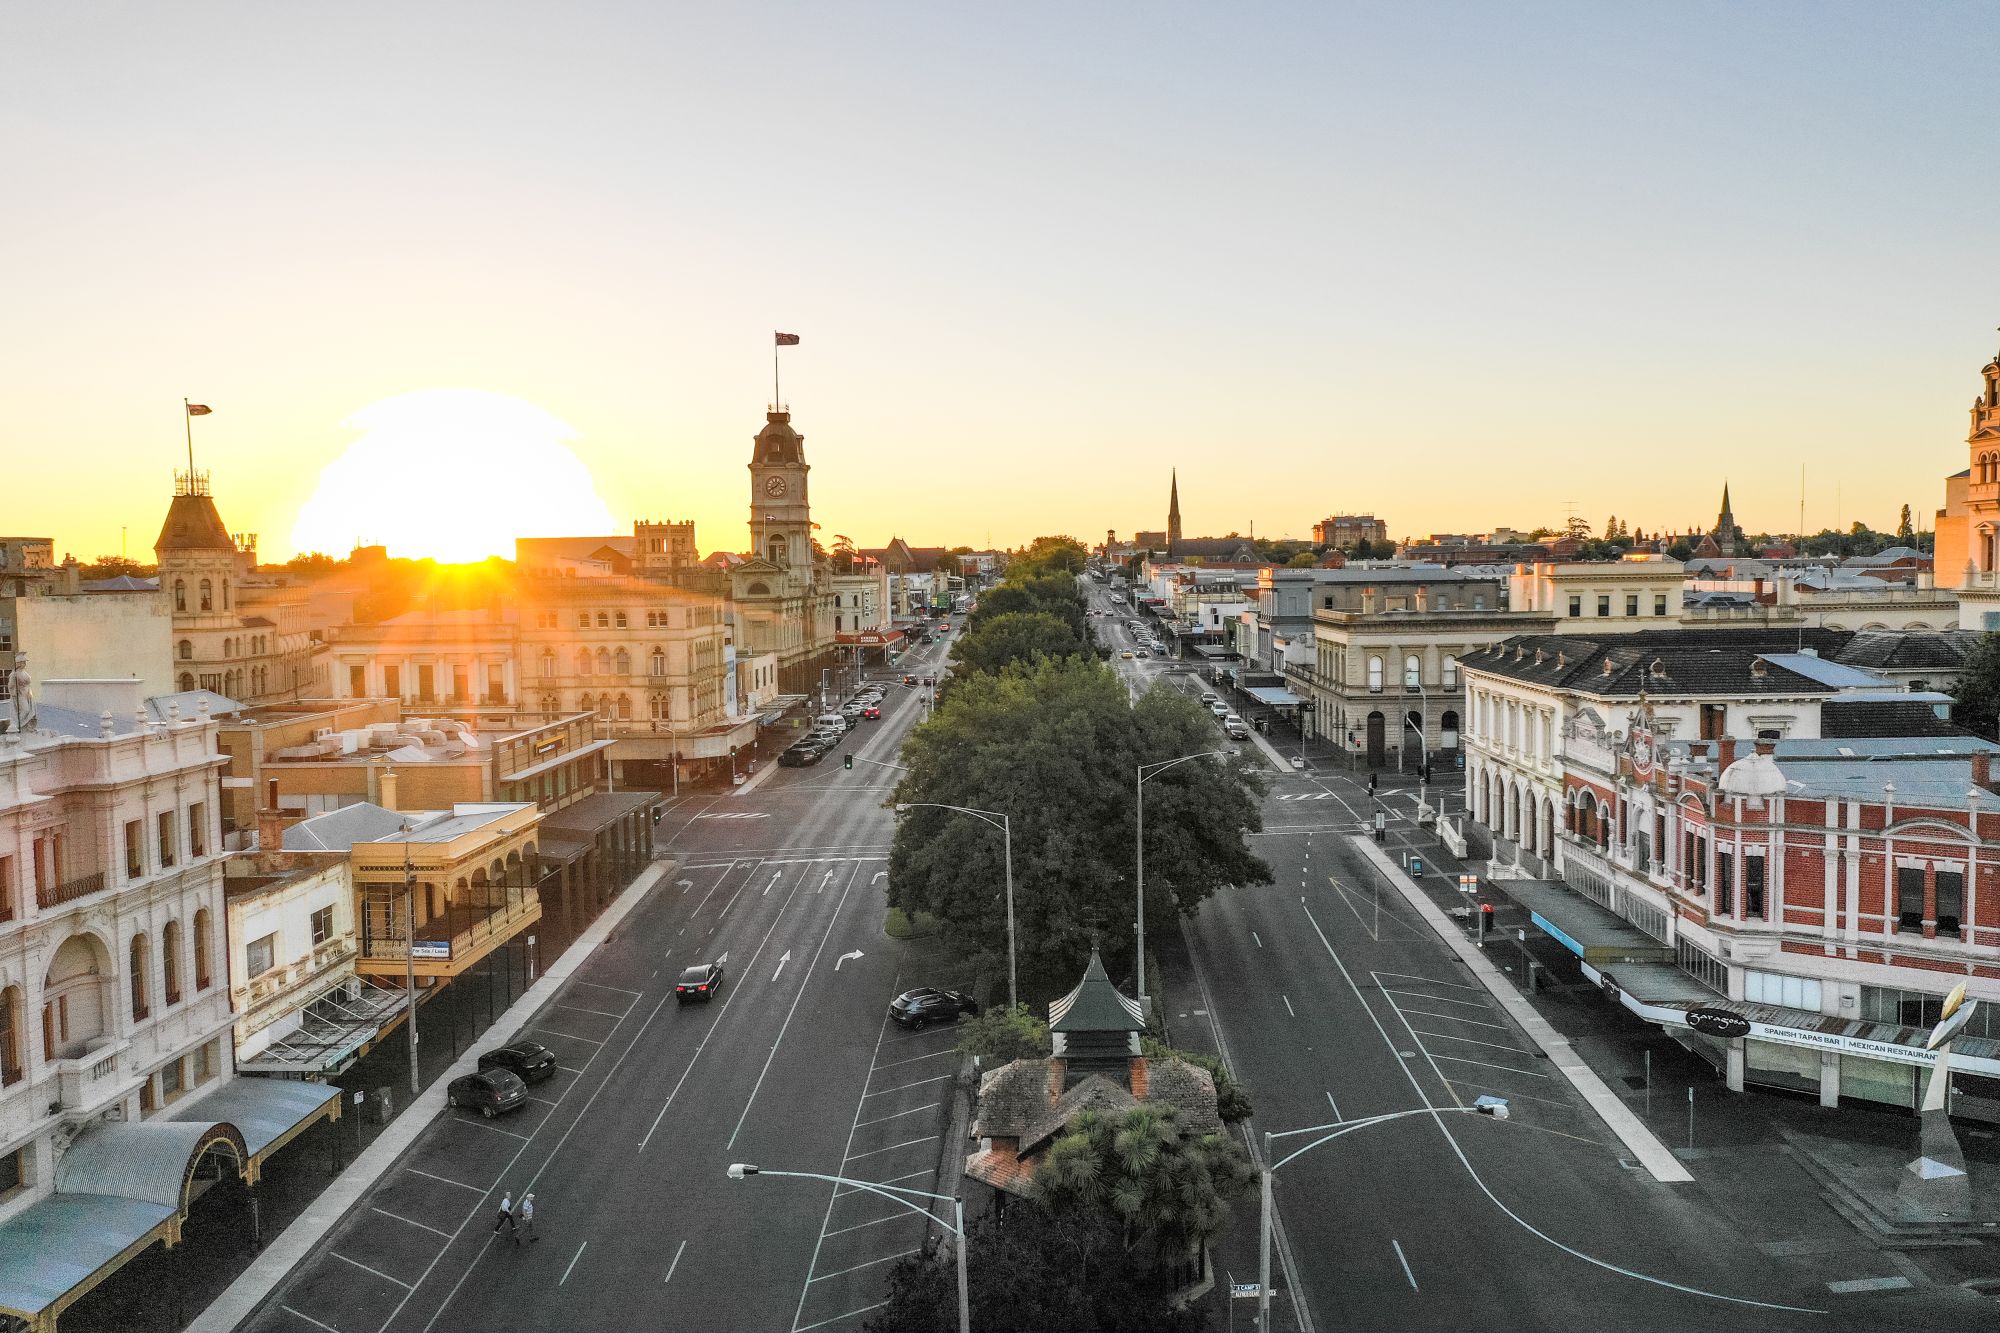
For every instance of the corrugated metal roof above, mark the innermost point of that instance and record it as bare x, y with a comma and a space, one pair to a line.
58, 1243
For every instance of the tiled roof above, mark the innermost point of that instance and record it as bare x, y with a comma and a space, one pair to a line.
1012, 1098
1902, 650
1663, 662
194, 525
1839, 719
1188, 1089
1002, 1168
1095, 1005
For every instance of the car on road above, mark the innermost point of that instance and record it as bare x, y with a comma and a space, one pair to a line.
873, 712
909, 680
530, 1061
699, 982
801, 755
1219, 708
490, 1092
1210, 697
1233, 728
1127, 653
916, 1008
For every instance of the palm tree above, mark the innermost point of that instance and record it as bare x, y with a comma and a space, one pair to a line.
1139, 1167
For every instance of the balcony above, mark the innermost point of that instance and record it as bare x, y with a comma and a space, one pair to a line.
88, 1079
70, 890
449, 944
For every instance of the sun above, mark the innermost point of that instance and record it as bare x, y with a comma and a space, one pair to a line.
453, 474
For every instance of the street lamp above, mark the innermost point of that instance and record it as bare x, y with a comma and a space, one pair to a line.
893, 1193
1006, 827
410, 955
1485, 1105
1144, 774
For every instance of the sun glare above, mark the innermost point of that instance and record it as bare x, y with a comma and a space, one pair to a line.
453, 474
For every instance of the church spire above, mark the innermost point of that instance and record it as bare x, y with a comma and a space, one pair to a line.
1174, 512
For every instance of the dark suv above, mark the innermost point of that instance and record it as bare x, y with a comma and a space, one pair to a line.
491, 1091
699, 982
530, 1061
914, 1008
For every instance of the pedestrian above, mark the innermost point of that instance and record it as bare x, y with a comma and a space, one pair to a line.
506, 1215
527, 1214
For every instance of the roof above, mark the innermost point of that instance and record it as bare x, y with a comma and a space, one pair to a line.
778, 443
1935, 782
338, 830
263, 1110
1813, 667
1677, 662
1892, 716
1095, 1005
194, 525
121, 583
1886, 650
60, 1242
145, 1160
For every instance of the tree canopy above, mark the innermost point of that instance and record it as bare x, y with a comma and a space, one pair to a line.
1016, 636
1162, 1185
1054, 745
1977, 689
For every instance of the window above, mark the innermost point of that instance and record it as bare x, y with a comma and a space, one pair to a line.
392, 682
623, 663
659, 662
603, 621
1374, 675
170, 960
135, 849
1776, 988
204, 976
1753, 887
172, 1080
1725, 882
357, 682
6, 888
1576, 604
583, 620
259, 955
1450, 672
1603, 604
141, 983
322, 926
1631, 603
166, 823
197, 829
1713, 718
207, 596
13, 1065
583, 661
180, 595
548, 667
1659, 603
1413, 673
1910, 898
619, 620
603, 661
208, 1061
624, 708
187, 651
426, 682
12, 1177
1950, 900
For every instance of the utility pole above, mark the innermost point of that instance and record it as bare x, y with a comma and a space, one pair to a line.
410, 954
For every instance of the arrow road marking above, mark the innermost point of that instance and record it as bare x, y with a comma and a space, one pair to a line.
844, 957
880, 875
683, 884
823, 880
781, 965
774, 879
725, 958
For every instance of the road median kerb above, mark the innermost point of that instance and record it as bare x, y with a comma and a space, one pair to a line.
1660, 1163
304, 1237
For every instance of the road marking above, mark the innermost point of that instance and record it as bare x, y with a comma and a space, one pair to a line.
877, 1152
1490, 1045
445, 1180
851, 953
1437, 999
328, 1327
907, 1175
366, 1269
484, 1124
572, 1262
1259, 938
900, 1087
1334, 1104
786, 958
1405, 1260
1512, 1095
411, 1220
675, 1264
594, 1041
1433, 981
927, 1055
885, 1259
1869, 1284
543, 1101
567, 1070
1288, 1007
1486, 1064
601, 1013
837, 1318
896, 1216
620, 989
1454, 1018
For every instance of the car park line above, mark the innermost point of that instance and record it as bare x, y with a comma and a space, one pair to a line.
928, 1055
1454, 1018
1436, 999
570, 1036
637, 995
1431, 981
1483, 1064
675, 1264
841, 1191
309, 1319
858, 1226
375, 1271
411, 1220
886, 1259
483, 1124
837, 1318
901, 1086
476, 1189
1446, 1036
876, 1152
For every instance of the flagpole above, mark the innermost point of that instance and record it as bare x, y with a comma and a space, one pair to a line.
187, 424
777, 399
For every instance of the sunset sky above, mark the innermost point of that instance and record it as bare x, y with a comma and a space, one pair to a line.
1452, 264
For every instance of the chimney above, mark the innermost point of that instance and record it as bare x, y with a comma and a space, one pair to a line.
1765, 746
1725, 753
1423, 598
1367, 601
387, 799
1982, 770
270, 830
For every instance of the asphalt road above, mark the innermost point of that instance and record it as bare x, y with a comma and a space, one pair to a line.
793, 1066
1333, 1001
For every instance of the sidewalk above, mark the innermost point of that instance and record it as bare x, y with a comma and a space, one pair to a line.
287, 1249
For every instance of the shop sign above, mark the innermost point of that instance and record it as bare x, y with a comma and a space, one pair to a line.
1718, 1023
431, 950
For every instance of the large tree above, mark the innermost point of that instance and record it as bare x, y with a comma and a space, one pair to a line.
1017, 636
1054, 745
1163, 1185
1977, 689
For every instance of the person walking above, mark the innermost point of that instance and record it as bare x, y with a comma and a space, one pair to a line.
506, 1214
527, 1220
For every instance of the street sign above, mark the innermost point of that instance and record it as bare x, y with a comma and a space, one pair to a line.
1468, 883
1245, 1291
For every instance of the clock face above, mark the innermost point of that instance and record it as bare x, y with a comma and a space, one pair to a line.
774, 486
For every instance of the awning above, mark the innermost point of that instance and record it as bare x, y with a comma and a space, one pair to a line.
54, 1251
1593, 933
1275, 695
268, 1113
332, 1028
556, 761
596, 812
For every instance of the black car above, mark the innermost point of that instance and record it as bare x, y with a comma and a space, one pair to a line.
699, 982
914, 1008
490, 1090
530, 1061
802, 755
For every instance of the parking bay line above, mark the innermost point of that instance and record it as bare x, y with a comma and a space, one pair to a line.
366, 1269
1438, 999
480, 1190
328, 1327
886, 1259
572, 1263
481, 1123
907, 1175
1452, 1018
898, 1215
1411, 976
1405, 1261
1490, 1045
927, 1055
619, 989
927, 1106
411, 1220
837, 1318
577, 1008
675, 1264
594, 1041
902, 1086
1483, 1064
876, 1152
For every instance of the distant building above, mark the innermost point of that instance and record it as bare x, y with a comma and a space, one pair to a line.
1344, 530
236, 631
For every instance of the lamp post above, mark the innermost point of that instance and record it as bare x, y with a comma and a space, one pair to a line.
1006, 827
894, 1194
410, 953
1142, 775
1486, 1105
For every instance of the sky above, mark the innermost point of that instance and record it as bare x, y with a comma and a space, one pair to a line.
1456, 265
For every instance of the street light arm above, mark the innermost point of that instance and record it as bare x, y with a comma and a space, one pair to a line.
1147, 772
994, 817
1342, 1127
889, 1192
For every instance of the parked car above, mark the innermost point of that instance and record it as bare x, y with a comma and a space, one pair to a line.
1219, 708
490, 1092
530, 1061
1234, 729
801, 755
699, 982
914, 1008
1210, 697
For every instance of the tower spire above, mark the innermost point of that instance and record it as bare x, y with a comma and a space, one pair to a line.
1174, 512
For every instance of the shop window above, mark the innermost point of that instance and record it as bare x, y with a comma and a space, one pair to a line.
1778, 989
1910, 898
173, 1080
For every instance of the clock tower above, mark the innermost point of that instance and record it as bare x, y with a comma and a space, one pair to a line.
780, 514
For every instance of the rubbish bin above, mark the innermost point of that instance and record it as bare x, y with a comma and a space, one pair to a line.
385, 1105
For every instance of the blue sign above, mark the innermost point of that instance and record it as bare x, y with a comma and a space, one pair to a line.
1555, 933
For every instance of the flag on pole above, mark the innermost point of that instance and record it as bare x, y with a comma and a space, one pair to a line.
788, 340
198, 409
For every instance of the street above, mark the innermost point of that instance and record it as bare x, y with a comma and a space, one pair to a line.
793, 1066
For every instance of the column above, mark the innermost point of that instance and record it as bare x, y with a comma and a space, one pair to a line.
1829, 1078
1733, 1077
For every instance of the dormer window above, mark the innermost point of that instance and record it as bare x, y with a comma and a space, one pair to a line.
1658, 670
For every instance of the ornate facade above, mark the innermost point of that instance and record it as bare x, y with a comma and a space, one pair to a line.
783, 594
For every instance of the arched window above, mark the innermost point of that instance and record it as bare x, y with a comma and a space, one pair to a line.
548, 662
1413, 672
586, 705
1374, 675
624, 662
774, 551
659, 662
603, 661
170, 960
657, 705
142, 964
13, 1061
204, 976
583, 661
207, 595
624, 708
180, 595
187, 650
187, 682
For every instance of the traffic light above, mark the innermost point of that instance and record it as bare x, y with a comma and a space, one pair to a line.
850, 760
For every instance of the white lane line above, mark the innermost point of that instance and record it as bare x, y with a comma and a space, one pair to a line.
411, 1220
899, 1215
1259, 938
1486, 1064
366, 1269
1288, 1006
927, 1106
892, 1180
1411, 976
594, 1041
804, 981
1490, 1045
1484, 1085
481, 1123
675, 1264
572, 1263
601, 1013
928, 1055
328, 1327
837, 1318
1405, 1260
885, 1259
618, 989
901, 1087
1454, 1018
876, 1152
445, 1180
1334, 1104
1435, 999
